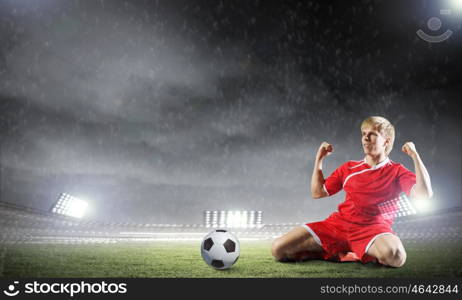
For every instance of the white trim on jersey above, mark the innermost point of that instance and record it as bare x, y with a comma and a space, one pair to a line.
387, 160
313, 234
373, 240
362, 163
383, 163
324, 187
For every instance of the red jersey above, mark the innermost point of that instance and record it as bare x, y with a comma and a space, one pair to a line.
367, 188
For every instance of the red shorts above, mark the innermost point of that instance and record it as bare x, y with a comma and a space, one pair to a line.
338, 236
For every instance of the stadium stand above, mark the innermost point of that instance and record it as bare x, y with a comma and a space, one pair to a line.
27, 225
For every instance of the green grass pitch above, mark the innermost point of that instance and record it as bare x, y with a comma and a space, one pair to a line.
182, 259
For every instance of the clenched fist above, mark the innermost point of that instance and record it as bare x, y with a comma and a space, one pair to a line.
324, 150
409, 149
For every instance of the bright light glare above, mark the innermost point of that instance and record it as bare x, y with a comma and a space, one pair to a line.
423, 204
233, 219
77, 208
456, 4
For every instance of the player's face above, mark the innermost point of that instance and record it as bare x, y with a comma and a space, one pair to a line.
373, 141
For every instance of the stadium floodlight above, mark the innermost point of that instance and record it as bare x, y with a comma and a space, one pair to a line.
398, 207
70, 206
259, 219
207, 218
232, 219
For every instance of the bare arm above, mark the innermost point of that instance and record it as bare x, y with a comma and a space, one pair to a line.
423, 187
317, 179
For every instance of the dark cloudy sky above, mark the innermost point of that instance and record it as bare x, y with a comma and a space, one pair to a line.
158, 110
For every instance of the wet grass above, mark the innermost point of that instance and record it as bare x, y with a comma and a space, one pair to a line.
183, 260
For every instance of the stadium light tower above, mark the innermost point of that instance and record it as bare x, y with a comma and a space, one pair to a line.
70, 206
398, 207
233, 219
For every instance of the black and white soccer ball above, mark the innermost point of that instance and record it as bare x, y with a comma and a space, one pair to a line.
220, 249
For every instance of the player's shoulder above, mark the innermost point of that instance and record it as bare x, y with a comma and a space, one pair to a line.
397, 166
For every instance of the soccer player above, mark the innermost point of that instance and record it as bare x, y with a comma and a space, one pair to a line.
359, 230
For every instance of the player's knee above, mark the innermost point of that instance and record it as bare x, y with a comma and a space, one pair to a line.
277, 249
394, 257
399, 258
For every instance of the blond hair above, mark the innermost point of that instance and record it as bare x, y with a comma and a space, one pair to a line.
383, 126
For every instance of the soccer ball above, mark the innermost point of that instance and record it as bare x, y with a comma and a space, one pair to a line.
220, 249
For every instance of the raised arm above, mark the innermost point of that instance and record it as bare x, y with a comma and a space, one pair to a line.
317, 179
423, 186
